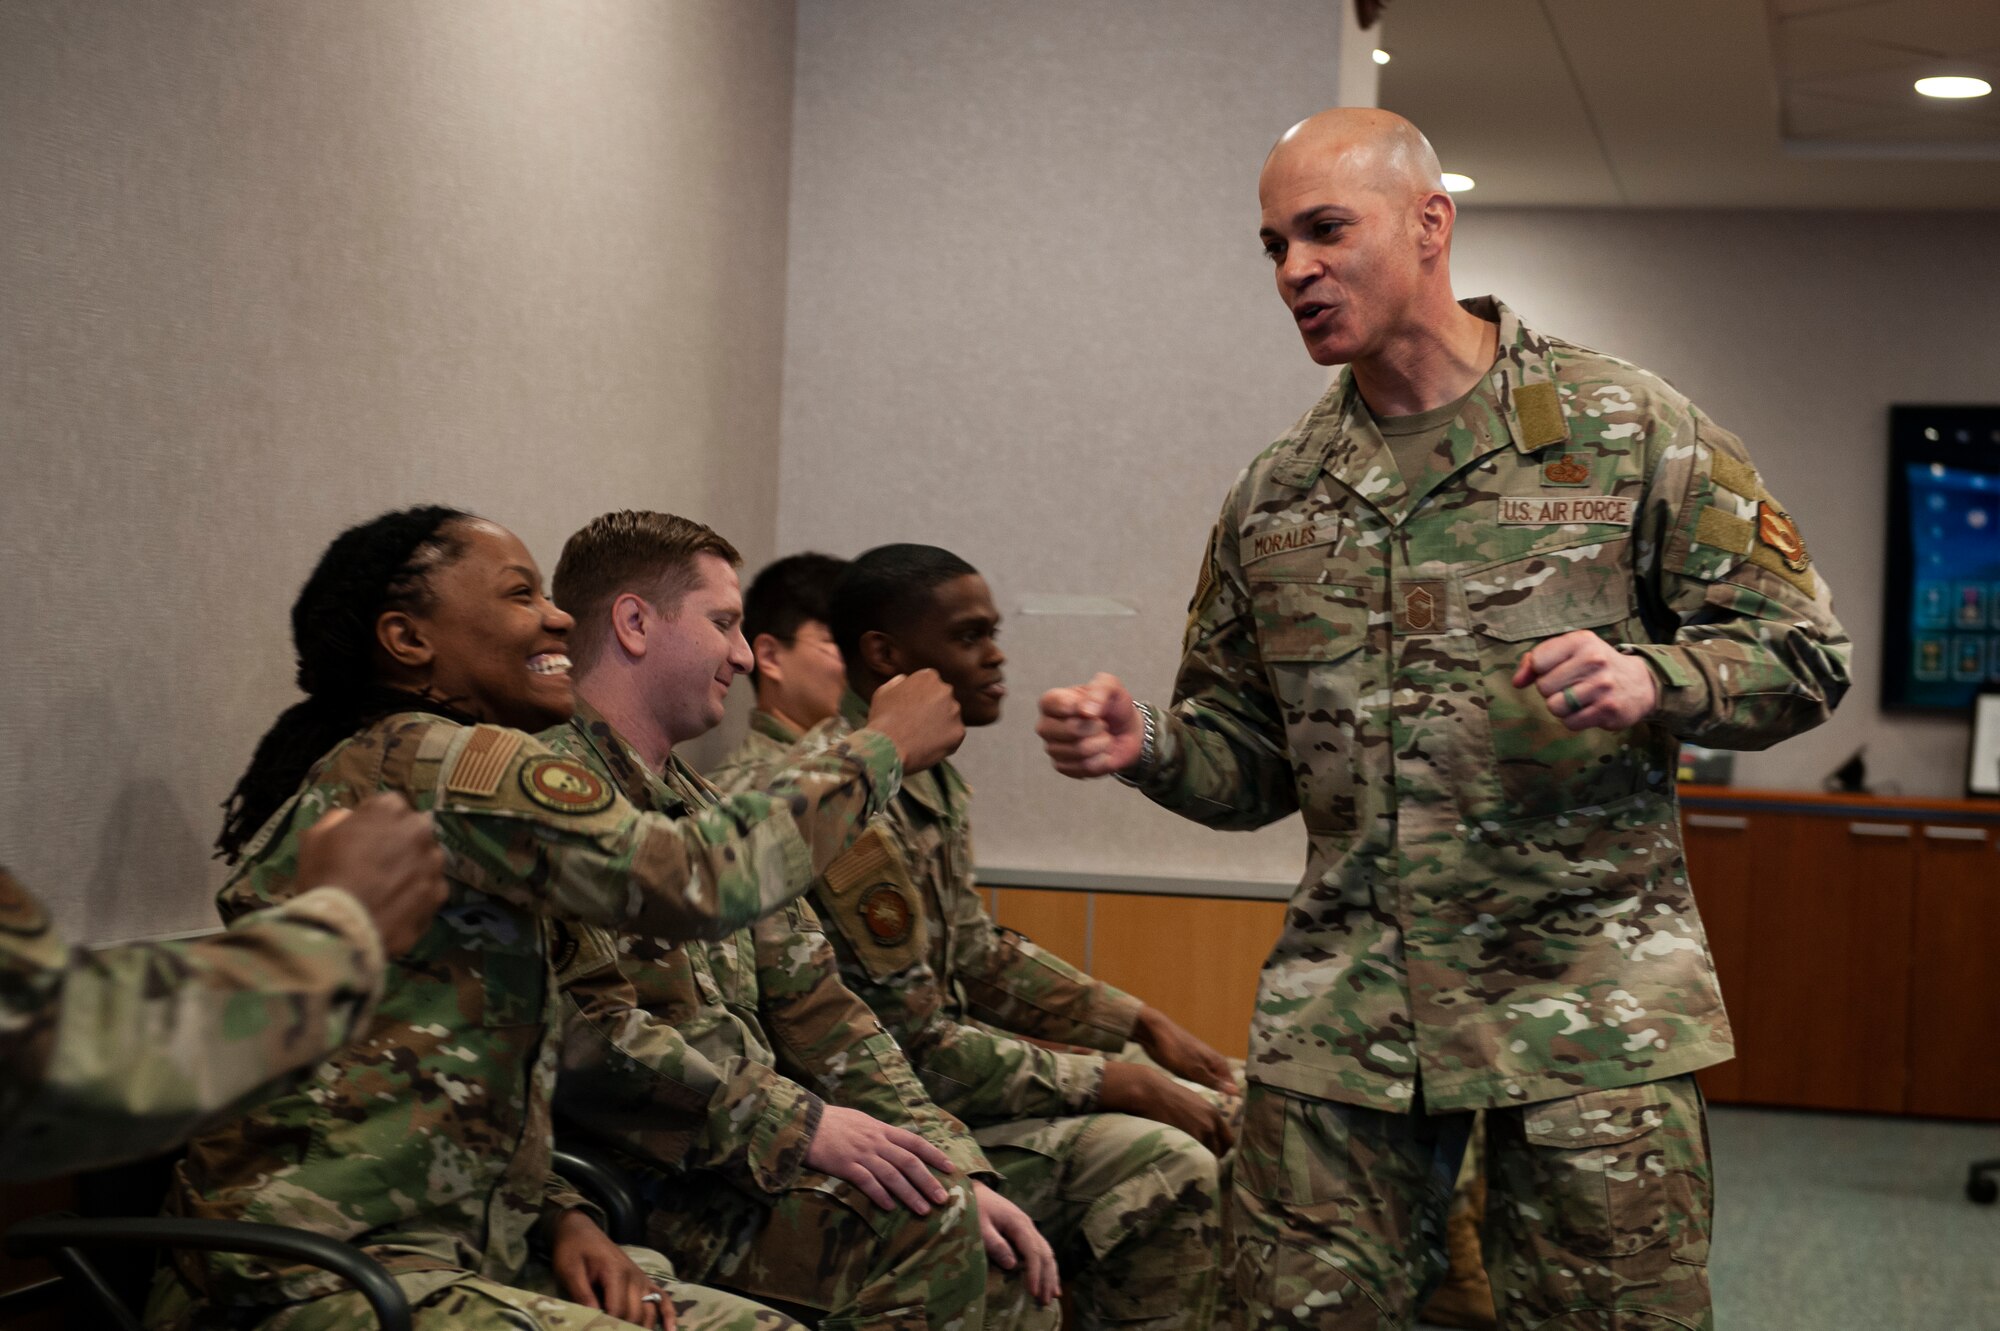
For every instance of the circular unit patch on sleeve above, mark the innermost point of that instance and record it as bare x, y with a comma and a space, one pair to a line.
564, 785
887, 914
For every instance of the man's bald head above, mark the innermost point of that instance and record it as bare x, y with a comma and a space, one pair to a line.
1371, 147
1358, 224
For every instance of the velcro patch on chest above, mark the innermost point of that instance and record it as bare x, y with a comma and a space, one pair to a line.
1420, 607
1566, 470
483, 761
1290, 536
1539, 410
1564, 510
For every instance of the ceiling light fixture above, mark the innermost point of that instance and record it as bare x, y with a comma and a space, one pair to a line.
1953, 85
1456, 183
1379, 56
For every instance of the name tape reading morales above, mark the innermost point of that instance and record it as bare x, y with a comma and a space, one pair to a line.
1293, 536
1554, 510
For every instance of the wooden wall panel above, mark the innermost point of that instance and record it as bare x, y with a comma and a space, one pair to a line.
1194, 958
1058, 920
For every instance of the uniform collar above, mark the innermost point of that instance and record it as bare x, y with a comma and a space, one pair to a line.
770, 727
678, 788
1338, 437
941, 790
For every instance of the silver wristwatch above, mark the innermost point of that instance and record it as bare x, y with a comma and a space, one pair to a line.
1149, 745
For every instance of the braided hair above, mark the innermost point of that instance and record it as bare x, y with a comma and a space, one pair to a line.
378, 566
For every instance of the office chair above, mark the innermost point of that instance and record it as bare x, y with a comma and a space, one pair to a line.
105, 1256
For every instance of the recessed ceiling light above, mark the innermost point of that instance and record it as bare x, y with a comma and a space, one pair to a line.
1953, 85
1380, 56
1456, 183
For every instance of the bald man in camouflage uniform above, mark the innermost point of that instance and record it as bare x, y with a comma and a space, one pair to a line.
1460, 617
427, 1144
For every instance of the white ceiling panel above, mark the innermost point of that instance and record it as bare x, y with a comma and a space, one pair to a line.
1701, 103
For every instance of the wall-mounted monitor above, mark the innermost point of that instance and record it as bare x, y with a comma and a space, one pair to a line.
1941, 621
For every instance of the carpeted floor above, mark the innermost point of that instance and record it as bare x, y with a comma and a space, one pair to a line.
1842, 1222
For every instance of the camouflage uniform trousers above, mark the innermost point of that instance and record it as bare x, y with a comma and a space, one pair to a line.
451, 1300
1131, 1207
823, 1248
1597, 1216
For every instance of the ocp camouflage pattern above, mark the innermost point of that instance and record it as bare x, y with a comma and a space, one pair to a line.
755, 1019
955, 990
1131, 1206
1601, 1203
117, 1053
427, 1143
1492, 903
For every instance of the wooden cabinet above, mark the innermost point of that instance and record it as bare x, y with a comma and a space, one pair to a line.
1855, 942
1954, 1009
1720, 851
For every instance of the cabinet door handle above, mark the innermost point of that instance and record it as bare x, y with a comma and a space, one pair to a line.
1891, 831
1955, 833
1721, 822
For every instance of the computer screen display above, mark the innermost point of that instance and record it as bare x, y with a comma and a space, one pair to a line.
1942, 618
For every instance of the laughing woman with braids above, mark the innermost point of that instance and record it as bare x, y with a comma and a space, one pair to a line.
426, 649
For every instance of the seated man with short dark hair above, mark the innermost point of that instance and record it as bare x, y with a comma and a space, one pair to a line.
796, 666
1111, 1158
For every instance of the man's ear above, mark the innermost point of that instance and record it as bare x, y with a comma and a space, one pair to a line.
402, 636
1435, 216
629, 613
880, 655
765, 647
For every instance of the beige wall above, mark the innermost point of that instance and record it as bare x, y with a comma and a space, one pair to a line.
1028, 319
1797, 331
267, 269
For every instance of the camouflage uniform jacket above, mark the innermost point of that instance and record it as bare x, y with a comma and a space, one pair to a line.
123, 1052
768, 741
915, 941
428, 1141
676, 1048
1493, 906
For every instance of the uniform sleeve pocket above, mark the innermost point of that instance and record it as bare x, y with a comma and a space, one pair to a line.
1545, 595
1308, 621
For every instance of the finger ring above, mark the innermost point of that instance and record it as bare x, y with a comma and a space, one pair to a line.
1569, 696
652, 1298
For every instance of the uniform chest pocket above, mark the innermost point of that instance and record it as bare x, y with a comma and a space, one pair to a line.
1541, 765
872, 901
1308, 621
1547, 595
